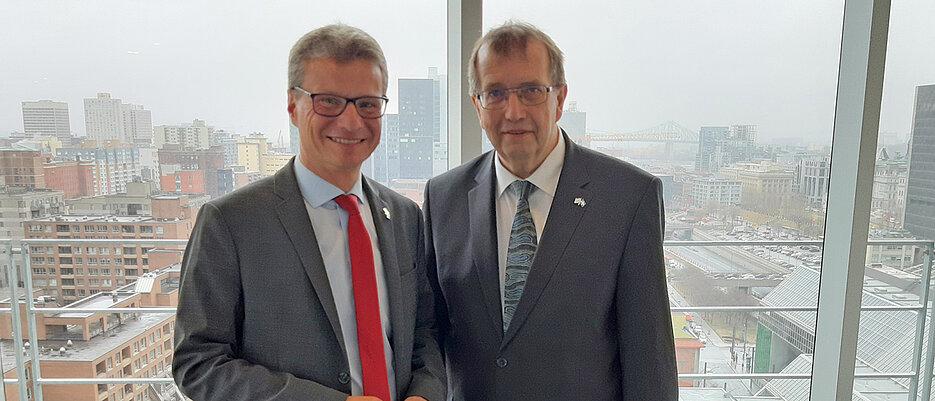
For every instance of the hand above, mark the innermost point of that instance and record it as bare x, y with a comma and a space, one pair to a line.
415, 398
362, 398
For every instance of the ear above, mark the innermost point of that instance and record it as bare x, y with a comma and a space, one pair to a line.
560, 96
479, 110
290, 107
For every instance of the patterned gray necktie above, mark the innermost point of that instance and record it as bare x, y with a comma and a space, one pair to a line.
521, 251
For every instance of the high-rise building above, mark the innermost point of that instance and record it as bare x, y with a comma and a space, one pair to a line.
103, 118
45, 117
723, 146
137, 124
417, 127
194, 136
108, 119
113, 167
920, 191
383, 164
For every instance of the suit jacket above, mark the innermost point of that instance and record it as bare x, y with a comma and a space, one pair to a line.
256, 316
593, 322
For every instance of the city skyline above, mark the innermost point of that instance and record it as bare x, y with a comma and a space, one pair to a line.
702, 66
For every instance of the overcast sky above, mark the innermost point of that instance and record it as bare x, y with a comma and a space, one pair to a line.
630, 65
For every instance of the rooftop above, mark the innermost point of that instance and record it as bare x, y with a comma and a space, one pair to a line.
95, 347
100, 219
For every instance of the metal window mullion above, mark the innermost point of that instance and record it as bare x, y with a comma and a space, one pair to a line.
464, 28
17, 326
31, 325
920, 326
930, 348
856, 124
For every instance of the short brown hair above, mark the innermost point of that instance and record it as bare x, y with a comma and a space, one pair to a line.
511, 37
339, 42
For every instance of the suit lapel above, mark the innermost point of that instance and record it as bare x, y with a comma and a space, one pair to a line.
483, 235
386, 238
294, 218
561, 224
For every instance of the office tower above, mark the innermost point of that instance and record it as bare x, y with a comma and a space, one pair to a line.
417, 127
383, 164
138, 124
108, 119
722, 146
920, 191
45, 117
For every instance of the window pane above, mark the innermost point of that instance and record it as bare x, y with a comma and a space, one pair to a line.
197, 95
731, 105
902, 205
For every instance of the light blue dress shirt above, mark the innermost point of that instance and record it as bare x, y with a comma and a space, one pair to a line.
329, 222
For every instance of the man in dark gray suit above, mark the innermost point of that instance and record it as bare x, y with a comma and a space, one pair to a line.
311, 284
546, 257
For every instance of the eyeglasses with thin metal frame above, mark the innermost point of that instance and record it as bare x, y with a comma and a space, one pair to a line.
530, 95
329, 105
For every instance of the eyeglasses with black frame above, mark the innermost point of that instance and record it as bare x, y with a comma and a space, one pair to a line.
329, 105
530, 95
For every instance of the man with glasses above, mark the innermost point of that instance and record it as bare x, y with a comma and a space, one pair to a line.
546, 257
311, 284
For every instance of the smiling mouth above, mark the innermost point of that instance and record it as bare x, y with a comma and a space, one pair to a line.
344, 141
515, 132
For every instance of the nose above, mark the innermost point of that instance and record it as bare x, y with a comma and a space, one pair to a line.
515, 110
350, 119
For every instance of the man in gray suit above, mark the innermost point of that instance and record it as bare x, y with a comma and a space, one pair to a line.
311, 284
546, 257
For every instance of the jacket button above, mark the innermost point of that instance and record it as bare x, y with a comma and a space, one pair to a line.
344, 378
501, 362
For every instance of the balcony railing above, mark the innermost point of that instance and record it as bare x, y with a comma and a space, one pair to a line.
918, 368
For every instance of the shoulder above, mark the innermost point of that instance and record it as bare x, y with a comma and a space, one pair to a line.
609, 171
393, 200
248, 198
464, 173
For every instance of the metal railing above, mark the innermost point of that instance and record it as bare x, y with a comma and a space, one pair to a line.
38, 381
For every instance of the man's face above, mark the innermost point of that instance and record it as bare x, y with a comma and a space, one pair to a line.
335, 146
523, 135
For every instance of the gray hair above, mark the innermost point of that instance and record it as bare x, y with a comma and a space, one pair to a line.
512, 37
338, 42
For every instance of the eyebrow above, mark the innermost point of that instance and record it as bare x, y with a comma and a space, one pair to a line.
497, 85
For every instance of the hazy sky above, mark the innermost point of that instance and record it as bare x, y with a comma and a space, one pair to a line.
630, 65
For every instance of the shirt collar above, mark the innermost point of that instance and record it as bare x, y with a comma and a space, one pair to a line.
318, 192
545, 177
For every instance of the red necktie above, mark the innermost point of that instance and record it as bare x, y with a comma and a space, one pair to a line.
366, 304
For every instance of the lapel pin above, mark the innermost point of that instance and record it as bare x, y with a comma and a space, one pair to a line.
580, 201
386, 212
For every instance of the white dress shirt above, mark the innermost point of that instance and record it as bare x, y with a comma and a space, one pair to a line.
329, 221
545, 178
